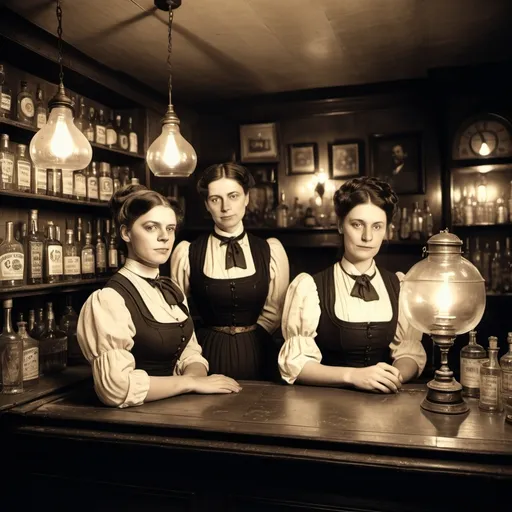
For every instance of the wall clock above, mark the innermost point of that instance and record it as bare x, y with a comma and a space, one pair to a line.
487, 136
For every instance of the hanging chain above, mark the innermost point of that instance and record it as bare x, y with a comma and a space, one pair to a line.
59, 34
169, 50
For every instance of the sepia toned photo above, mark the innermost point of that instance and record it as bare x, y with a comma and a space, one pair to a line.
302, 158
345, 159
258, 142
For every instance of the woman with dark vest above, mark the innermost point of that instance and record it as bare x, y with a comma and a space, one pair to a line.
342, 326
236, 280
136, 332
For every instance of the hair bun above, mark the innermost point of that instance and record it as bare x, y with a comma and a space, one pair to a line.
121, 195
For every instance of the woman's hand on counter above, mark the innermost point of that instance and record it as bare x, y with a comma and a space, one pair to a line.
215, 384
380, 377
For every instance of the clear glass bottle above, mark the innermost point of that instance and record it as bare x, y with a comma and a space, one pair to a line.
41, 110
80, 237
491, 380
53, 345
100, 132
405, 225
496, 269
23, 169
35, 251
132, 137
5, 95
101, 251
68, 324
92, 183
416, 222
113, 256
506, 266
105, 183
71, 251
122, 137
506, 368
111, 132
11, 355
12, 259
88, 258
25, 102
7, 174
30, 357
89, 130
471, 358
53, 261
282, 212
54, 182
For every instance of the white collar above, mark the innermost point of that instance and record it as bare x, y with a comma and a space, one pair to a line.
239, 229
140, 269
351, 269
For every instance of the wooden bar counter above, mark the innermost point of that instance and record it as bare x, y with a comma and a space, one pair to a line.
271, 447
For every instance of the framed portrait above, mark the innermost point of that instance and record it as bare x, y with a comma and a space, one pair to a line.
302, 158
345, 159
258, 142
398, 159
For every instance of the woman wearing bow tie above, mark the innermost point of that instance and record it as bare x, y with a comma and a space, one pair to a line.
343, 327
237, 280
136, 332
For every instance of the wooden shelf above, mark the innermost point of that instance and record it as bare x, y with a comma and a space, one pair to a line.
99, 150
31, 290
13, 195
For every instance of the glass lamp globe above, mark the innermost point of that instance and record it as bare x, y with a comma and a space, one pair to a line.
60, 144
171, 155
443, 295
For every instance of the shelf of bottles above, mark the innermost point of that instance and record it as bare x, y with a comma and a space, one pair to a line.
481, 214
23, 111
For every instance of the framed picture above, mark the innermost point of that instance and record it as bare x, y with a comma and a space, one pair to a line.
302, 158
398, 159
345, 159
258, 142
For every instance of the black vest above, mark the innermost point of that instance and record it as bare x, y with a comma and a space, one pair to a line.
354, 344
230, 302
156, 346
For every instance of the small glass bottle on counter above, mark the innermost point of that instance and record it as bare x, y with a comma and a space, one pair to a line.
12, 259
491, 380
506, 368
11, 355
53, 345
30, 357
471, 358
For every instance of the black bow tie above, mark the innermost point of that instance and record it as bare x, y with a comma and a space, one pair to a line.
363, 288
164, 284
234, 253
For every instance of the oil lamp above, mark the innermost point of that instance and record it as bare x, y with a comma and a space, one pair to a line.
443, 295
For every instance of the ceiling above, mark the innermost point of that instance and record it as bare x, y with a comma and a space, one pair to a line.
233, 48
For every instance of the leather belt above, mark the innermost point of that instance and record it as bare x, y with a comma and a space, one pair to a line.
235, 329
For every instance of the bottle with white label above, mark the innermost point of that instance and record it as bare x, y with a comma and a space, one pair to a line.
53, 260
89, 130
105, 182
88, 258
100, 132
54, 182
25, 102
92, 183
5, 95
12, 259
122, 137
30, 357
133, 139
491, 399
506, 368
79, 185
71, 250
11, 355
39, 180
23, 169
41, 110
471, 358
67, 184
7, 174
35, 250
111, 132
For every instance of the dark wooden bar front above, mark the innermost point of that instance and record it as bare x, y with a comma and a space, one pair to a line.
272, 447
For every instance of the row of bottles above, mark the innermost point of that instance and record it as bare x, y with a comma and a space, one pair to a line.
474, 208
483, 376
495, 265
414, 223
111, 132
37, 349
37, 257
95, 183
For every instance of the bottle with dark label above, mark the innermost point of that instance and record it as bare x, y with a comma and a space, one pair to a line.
35, 251
53, 345
25, 102
12, 259
11, 355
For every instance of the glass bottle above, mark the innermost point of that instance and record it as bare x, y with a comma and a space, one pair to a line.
12, 259
282, 212
53, 262
132, 137
115, 179
105, 182
405, 225
416, 222
67, 184
501, 211
111, 133
5, 95
68, 324
113, 257
35, 250
89, 130
100, 133
79, 185
30, 357
25, 102
54, 182
88, 258
23, 169
11, 355
39, 325
491, 380
7, 178
471, 358
496, 269
101, 251
41, 110
476, 255
428, 220
71, 257
80, 237
39, 180
506, 368
506, 266
92, 183
486, 265
53, 345
81, 121
122, 137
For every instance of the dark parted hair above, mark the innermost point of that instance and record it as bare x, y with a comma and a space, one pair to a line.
362, 190
230, 170
129, 203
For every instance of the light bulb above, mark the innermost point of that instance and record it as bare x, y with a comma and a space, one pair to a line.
171, 155
60, 144
484, 149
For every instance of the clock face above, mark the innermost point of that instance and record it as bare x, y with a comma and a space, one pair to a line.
489, 137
